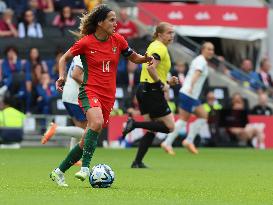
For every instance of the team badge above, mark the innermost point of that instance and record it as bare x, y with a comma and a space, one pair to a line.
114, 49
95, 100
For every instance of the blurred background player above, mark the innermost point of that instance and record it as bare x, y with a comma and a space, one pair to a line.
189, 101
70, 100
150, 93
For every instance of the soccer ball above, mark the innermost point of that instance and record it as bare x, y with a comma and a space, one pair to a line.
102, 176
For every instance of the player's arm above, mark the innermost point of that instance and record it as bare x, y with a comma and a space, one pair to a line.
62, 67
137, 58
77, 74
196, 76
152, 70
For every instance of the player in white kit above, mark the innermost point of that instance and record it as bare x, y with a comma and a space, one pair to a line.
189, 101
70, 100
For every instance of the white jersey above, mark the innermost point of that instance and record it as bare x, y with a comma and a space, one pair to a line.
71, 87
198, 63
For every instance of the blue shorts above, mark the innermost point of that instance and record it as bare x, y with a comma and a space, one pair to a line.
75, 111
188, 103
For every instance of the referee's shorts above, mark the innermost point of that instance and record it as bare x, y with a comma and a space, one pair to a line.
151, 100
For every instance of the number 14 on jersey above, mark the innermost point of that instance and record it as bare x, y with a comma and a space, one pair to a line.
105, 66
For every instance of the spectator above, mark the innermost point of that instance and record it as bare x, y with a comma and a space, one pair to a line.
65, 18
39, 15
34, 62
77, 6
262, 108
12, 71
46, 91
52, 65
36, 74
90, 4
125, 26
222, 66
30, 28
264, 74
3, 6
46, 6
7, 28
211, 104
33, 59
18, 6
252, 131
12, 121
246, 76
180, 71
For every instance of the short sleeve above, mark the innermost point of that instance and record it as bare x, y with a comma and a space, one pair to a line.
123, 44
77, 61
78, 47
157, 50
199, 64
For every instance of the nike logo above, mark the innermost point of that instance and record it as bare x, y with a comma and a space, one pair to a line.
92, 51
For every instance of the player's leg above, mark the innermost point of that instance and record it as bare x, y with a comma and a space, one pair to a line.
72, 157
95, 120
194, 129
185, 109
77, 131
144, 144
179, 125
81, 124
153, 101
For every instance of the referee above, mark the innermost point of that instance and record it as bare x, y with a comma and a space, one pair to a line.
150, 93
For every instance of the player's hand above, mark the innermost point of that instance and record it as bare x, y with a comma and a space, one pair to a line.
60, 84
148, 59
166, 87
173, 81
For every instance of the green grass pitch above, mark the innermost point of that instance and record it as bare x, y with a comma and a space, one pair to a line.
214, 177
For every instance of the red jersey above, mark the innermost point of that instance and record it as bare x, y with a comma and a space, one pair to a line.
100, 61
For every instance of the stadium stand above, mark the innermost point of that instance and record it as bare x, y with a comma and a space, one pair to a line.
183, 49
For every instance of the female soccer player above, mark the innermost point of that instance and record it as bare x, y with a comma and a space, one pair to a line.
189, 101
99, 49
150, 93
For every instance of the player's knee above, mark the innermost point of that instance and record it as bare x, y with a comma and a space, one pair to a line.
96, 125
171, 127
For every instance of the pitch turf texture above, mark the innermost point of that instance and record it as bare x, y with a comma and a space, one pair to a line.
215, 176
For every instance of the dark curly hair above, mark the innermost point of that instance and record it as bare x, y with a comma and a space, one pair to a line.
89, 21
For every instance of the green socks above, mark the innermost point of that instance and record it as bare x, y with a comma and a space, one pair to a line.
90, 144
73, 156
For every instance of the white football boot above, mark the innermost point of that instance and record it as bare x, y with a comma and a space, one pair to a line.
83, 173
58, 176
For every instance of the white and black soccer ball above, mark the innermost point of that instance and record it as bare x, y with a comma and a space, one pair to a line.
101, 176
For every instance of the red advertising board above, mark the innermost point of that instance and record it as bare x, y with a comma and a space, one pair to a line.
203, 15
116, 124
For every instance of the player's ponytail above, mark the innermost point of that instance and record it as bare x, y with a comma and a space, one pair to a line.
89, 21
161, 27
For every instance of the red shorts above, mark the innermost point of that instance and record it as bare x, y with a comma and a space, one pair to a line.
89, 101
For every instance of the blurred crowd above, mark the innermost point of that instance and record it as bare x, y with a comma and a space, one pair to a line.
31, 80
